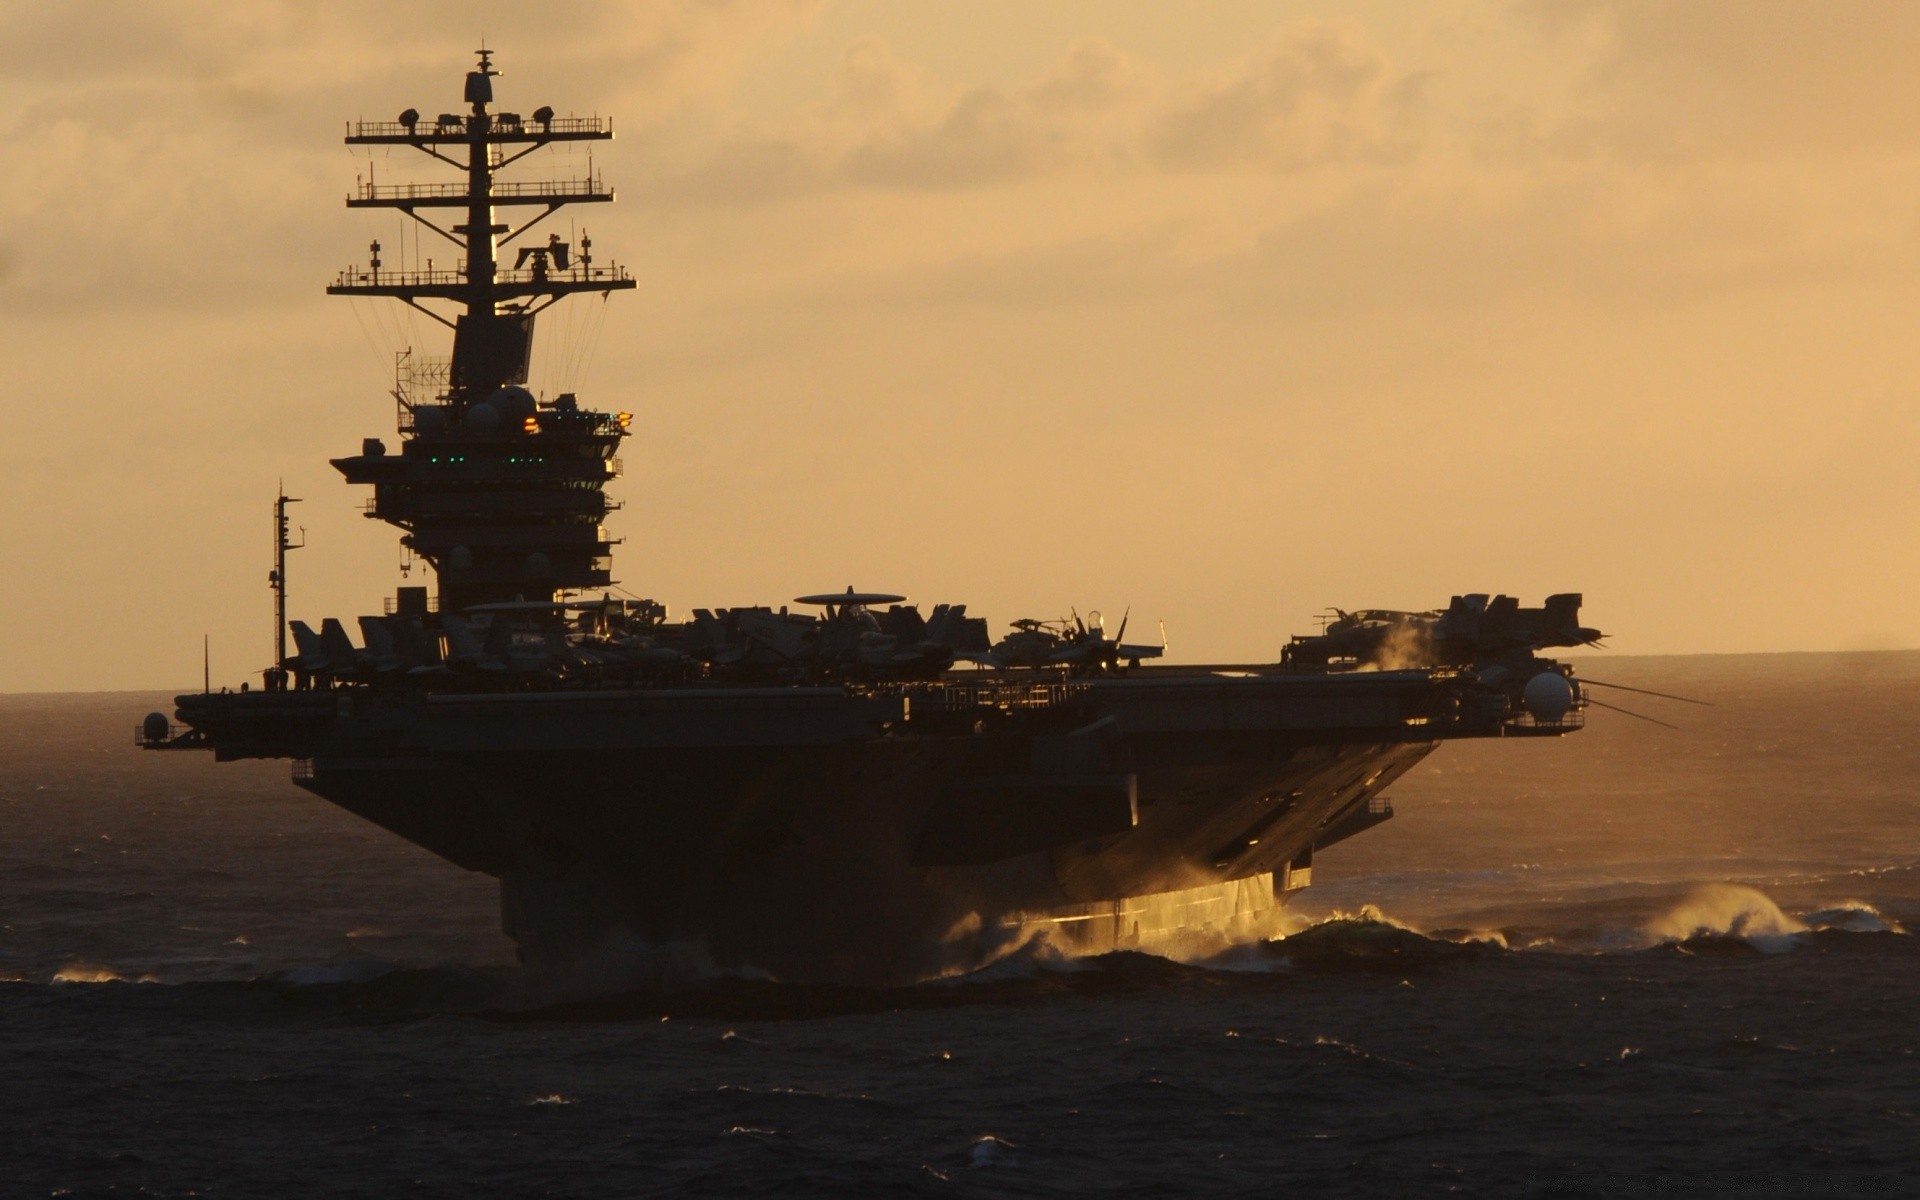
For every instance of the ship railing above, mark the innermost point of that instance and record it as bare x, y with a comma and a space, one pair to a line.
453, 276
178, 737
433, 277
391, 605
302, 770
576, 274
406, 417
597, 424
591, 185
141, 735
1526, 723
961, 696
558, 426
430, 130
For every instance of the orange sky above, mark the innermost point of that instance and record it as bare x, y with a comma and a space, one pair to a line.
1226, 317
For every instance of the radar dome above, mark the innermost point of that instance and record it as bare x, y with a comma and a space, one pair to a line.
154, 728
515, 404
1548, 696
483, 418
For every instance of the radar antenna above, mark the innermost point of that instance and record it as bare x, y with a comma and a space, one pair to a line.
277, 579
499, 492
493, 335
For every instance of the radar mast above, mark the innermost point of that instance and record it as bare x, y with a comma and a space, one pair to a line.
499, 492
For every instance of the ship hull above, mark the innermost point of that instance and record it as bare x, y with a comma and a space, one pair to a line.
808, 864
829, 834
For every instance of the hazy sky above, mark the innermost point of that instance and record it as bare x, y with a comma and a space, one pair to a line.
1223, 311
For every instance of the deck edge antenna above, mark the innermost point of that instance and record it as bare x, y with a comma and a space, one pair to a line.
277, 578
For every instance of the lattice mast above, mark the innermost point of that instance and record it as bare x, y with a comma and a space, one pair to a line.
500, 493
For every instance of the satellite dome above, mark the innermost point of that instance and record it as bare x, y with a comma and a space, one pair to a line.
155, 728
1548, 696
483, 418
429, 418
514, 403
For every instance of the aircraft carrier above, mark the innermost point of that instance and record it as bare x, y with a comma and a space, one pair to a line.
840, 788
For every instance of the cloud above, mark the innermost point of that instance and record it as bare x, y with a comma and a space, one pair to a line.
1101, 269
182, 154
1094, 76
905, 135
295, 46
1715, 78
872, 84
123, 40
1318, 98
983, 138
881, 122
742, 168
1647, 260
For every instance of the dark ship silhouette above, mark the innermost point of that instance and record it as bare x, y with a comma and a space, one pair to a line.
858, 791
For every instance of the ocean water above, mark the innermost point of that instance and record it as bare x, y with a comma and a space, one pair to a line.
1635, 961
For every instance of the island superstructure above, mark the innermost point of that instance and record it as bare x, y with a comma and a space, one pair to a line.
501, 495
839, 788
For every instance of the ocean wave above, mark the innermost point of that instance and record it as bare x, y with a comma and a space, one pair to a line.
1372, 941
1705, 919
1727, 916
1723, 910
82, 972
634, 980
1853, 916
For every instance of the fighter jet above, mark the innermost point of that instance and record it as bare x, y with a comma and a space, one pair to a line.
1472, 630
1081, 646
